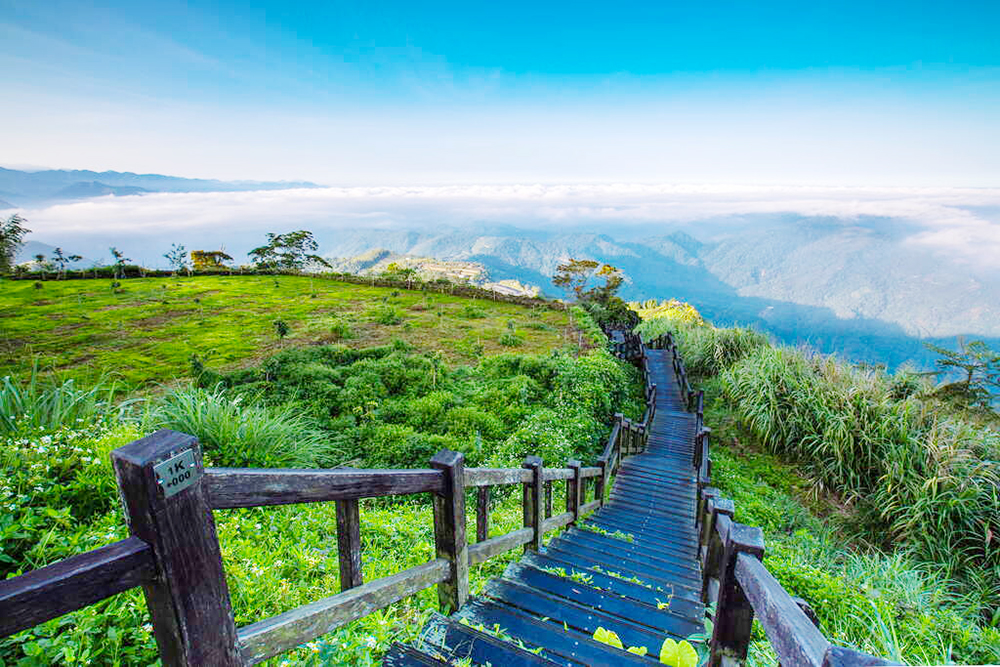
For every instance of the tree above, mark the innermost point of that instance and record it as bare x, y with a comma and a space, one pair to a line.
574, 275
62, 261
206, 260
177, 256
978, 368
120, 261
41, 264
293, 251
12, 233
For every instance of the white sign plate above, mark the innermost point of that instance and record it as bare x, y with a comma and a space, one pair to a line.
177, 473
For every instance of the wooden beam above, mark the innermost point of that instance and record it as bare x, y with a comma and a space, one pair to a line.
189, 599
236, 487
534, 510
264, 639
495, 476
734, 613
794, 637
500, 544
449, 530
73, 583
349, 544
482, 513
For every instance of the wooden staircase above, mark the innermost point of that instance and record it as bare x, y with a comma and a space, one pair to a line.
631, 567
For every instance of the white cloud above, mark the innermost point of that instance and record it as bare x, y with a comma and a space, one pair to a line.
945, 219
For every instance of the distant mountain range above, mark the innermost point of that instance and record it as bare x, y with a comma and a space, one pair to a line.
33, 188
30, 249
855, 287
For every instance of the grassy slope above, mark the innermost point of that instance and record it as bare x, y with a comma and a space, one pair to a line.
275, 558
147, 331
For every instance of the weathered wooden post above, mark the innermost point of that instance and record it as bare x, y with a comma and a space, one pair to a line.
449, 530
482, 513
601, 482
349, 543
573, 490
717, 507
734, 613
548, 499
533, 502
162, 485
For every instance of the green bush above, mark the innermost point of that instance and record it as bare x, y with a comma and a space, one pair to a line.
508, 339
36, 404
240, 435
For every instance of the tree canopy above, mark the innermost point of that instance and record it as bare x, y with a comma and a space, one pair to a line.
293, 250
12, 233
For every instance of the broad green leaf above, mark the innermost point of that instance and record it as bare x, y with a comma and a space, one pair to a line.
668, 652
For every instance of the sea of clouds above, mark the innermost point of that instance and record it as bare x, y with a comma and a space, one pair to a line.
964, 223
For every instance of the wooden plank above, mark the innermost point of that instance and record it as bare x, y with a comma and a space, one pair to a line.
73, 583
449, 530
501, 544
189, 599
793, 636
548, 499
555, 474
349, 544
590, 471
587, 508
258, 487
496, 476
734, 613
284, 632
482, 513
558, 521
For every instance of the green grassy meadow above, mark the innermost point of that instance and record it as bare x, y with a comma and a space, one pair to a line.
146, 330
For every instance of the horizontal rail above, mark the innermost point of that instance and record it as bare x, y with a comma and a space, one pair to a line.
230, 488
264, 639
73, 583
586, 473
557, 521
591, 506
496, 476
483, 551
553, 474
795, 639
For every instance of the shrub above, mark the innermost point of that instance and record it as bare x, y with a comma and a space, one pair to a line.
38, 405
341, 329
471, 312
235, 434
508, 339
388, 315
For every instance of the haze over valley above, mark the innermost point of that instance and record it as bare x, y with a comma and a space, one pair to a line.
866, 272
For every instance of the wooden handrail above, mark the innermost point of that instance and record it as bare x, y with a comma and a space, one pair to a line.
269, 637
73, 583
230, 488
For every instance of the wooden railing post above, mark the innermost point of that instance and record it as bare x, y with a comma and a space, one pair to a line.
449, 530
533, 502
349, 543
573, 490
712, 563
482, 513
162, 485
734, 614
601, 483
548, 499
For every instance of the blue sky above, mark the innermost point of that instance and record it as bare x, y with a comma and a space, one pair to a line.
854, 93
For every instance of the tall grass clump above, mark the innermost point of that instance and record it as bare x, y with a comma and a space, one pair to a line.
39, 405
919, 479
706, 349
239, 434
